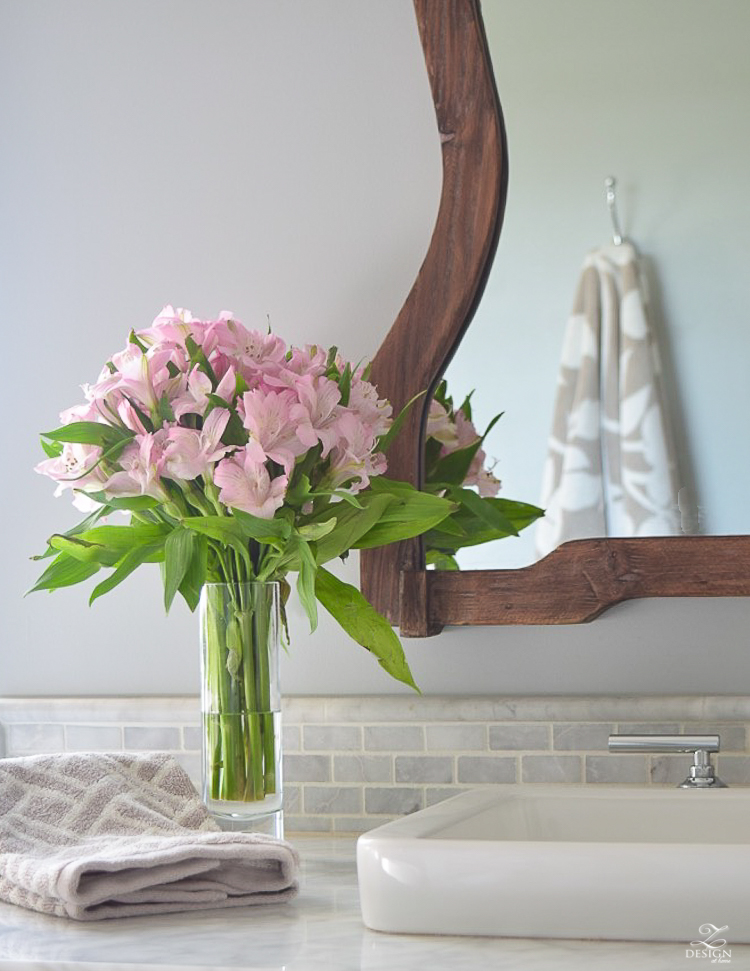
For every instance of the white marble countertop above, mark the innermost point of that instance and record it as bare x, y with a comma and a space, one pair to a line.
321, 930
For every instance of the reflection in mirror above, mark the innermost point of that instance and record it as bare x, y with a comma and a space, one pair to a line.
661, 99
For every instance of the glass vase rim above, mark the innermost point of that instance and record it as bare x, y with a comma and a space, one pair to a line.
242, 583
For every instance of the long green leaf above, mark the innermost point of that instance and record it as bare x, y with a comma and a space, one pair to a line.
130, 562
195, 575
89, 433
131, 503
81, 527
126, 537
384, 442
84, 551
409, 514
64, 571
364, 624
351, 525
178, 552
483, 510
306, 581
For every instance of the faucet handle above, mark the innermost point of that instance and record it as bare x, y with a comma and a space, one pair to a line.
701, 771
664, 743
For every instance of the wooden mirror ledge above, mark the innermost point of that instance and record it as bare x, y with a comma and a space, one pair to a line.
582, 578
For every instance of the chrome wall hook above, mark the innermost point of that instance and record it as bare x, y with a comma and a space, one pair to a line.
609, 184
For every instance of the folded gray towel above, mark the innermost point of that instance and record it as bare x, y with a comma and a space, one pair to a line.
96, 835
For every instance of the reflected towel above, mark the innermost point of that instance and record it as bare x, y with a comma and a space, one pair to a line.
96, 835
611, 468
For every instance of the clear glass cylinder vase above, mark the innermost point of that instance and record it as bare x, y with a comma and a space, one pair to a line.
241, 704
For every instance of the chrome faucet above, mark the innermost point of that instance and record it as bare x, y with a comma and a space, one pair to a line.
701, 771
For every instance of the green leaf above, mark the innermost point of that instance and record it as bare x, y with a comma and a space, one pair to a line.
64, 571
441, 561
345, 385
351, 523
453, 468
312, 532
198, 357
298, 492
195, 575
521, 514
384, 441
81, 527
90, 433
133, 503
489, 514
164, 408
342, 494
126, 537
84, 551
178, 552
363, 624
409, 514
453, 526
306, 581
235, 432
133, 339
224, 529
52, 449
466, 406
274, 532
130, 562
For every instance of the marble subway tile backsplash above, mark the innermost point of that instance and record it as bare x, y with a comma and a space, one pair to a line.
352, 763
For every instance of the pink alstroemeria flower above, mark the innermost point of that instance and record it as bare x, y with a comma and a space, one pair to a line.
249, 347
245, 484
374, 411
309, 359
268, 418
353, 461
480, 477
466, 433
316, 415
171, 328
194, 400
142, 463
440, 426
190, 453
74, 468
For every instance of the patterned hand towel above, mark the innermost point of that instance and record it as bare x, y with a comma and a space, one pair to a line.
96, 835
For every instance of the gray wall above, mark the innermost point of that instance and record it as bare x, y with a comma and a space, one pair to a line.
273, 158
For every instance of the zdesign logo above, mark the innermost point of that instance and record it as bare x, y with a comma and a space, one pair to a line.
710, 946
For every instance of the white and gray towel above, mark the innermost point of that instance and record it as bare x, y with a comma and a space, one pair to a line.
95, 835
611, 466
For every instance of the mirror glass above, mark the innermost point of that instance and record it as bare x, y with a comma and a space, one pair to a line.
657, 95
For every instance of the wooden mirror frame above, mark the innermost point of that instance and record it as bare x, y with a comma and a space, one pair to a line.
582, 578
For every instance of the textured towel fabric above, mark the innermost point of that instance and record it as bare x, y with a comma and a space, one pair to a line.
611, 465
96, 835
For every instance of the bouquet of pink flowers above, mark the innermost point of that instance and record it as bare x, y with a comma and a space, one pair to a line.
238, 460
456, 467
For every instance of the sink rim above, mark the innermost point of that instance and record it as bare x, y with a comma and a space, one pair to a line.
425, 823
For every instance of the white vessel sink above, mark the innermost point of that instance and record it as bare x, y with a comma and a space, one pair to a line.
620, 863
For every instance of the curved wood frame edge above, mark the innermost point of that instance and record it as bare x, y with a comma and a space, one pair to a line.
580, 579
453, 275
